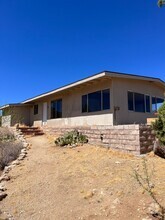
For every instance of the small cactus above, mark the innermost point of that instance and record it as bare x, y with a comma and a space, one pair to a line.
71, 138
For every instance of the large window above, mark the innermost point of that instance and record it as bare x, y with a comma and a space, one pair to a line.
156, 103
56, 109
130, 101
138, 102
105, 99
148, 108
35, 109
96, 101
84, 103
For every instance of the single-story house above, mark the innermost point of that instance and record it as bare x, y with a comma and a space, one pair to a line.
106, 98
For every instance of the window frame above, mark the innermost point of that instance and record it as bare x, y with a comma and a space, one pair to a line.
139, 94
56, 101
147, 95
101, 103
156, 107
145, 106
35, 109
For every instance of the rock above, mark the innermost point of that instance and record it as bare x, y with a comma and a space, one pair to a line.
21, 158
6, 169
16, 162
2, 195
4, 178
25, 144
22, 155
116, 201
159, 149
89, 195
117, 162
154, 209
2, 188
147, 218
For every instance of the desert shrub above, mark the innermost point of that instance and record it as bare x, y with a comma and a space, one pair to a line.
71, 138
144, 179
9, 151
159, 124
6, 135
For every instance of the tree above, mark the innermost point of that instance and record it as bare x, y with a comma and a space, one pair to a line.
159, 127
159, 124
161, 3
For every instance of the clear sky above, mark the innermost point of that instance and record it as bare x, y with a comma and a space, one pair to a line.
45, 44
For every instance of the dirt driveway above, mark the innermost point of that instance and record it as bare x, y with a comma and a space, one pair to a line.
86, 182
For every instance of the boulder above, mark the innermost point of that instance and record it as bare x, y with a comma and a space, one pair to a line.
159, 149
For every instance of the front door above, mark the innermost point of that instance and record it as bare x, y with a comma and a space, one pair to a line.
45, 112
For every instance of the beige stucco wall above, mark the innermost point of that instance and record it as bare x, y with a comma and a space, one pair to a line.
121, 87
104, 119
17, 114
71, 107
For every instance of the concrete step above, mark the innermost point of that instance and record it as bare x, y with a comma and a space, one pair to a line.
31, 130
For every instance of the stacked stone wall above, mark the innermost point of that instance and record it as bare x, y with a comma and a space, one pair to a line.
136, 139
147, 139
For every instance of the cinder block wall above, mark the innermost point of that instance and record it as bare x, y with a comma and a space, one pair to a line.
136, 139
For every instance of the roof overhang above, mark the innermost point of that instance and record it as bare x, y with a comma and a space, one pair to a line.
13, 105
88, 80
103, 74
75, 84
133, 76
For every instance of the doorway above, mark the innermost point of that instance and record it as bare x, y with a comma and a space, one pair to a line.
45, 113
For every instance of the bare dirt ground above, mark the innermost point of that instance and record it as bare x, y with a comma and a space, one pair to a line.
86, 182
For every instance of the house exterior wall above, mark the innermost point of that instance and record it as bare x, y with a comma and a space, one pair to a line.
104, 119
71, 107
13, 115
120, 89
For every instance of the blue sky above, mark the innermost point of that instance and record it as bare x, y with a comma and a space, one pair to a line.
45, 44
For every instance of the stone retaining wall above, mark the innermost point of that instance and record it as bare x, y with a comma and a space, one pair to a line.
137, 139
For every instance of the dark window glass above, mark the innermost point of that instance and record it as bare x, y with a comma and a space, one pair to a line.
56, 109
154, 108
130, 101
148, 103
35, 109
94, 101
84, 103
159, 103
139, 102
106, 99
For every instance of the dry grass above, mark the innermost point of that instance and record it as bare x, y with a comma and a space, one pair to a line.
86, 182
9, 151
6, 135
9, 148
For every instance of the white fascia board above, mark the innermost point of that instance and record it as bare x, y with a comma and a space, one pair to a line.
4, 106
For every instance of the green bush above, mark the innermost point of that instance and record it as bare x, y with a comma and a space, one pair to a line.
71, 138
159, 124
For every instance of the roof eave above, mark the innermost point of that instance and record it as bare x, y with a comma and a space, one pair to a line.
102, 74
